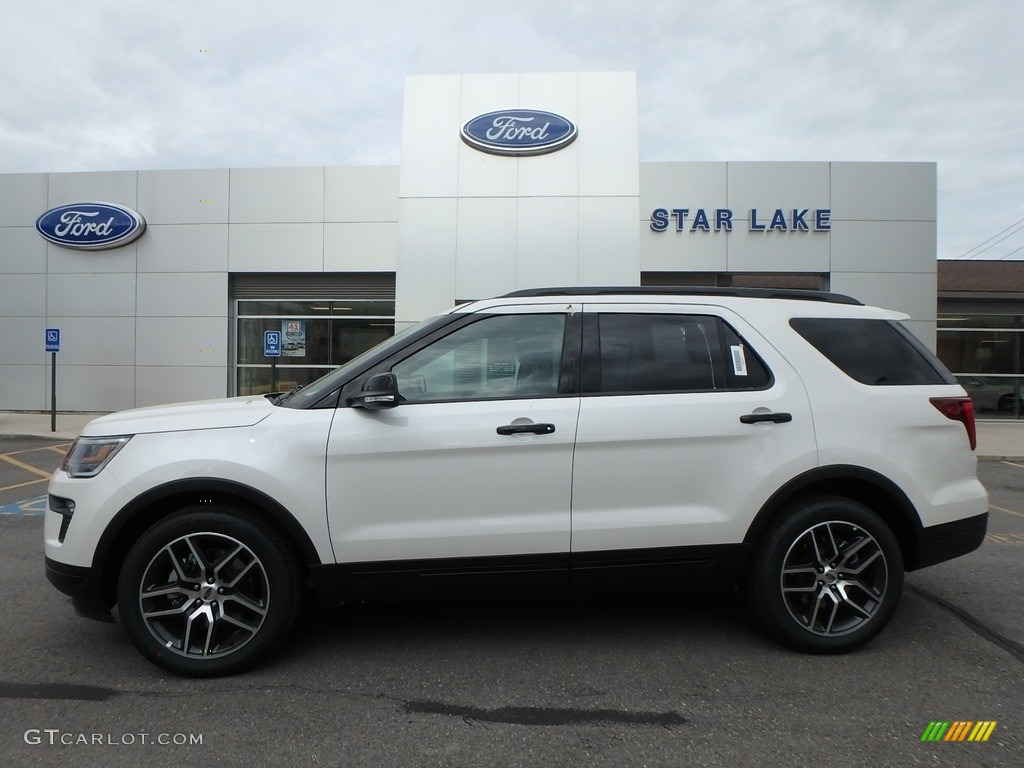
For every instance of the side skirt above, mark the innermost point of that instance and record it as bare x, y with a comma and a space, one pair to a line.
664, 569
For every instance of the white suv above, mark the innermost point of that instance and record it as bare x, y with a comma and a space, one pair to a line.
549, 442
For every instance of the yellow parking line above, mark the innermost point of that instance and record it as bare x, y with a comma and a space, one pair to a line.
61, 449
1007, 511
1013, 464
22, 485
22, 465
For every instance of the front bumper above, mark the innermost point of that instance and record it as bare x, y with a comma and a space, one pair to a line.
939, 543
83, 586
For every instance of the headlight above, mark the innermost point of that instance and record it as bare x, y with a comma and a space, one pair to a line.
88, 455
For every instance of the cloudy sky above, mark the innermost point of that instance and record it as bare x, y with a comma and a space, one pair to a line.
133, 84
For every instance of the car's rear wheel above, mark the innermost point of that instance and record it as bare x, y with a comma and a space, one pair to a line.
208, 591
827, 575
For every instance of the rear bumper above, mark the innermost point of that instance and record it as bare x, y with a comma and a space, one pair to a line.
83, 587
939, 543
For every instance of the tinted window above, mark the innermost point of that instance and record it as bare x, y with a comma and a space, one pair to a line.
674, 353
874, 352
501, 356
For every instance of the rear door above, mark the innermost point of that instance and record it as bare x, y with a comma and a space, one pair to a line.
689, 421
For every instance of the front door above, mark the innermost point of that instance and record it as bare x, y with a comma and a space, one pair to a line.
474, 465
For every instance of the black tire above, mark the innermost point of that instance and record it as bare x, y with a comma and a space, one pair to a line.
211, 590
827, 575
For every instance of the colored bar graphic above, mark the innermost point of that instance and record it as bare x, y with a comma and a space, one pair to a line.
958, 730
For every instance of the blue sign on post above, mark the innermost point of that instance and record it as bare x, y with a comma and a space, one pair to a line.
271, 343
53, 339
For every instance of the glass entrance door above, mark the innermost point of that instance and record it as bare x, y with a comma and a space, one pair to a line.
316, 337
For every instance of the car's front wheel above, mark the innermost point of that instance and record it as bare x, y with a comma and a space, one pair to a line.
208, 591
827, 575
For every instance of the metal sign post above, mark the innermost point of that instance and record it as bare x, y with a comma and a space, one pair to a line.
272, 349
53, 347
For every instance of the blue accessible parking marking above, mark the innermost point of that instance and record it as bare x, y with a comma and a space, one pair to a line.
29, 508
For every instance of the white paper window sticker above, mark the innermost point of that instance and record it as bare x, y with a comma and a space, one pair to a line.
739, 360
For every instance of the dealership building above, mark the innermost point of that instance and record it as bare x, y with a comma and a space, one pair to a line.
170, 285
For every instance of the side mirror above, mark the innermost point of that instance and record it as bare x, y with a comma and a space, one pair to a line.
378, 392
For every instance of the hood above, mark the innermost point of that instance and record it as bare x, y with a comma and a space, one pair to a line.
181, 417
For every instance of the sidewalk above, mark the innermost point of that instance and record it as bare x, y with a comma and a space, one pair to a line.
996, 439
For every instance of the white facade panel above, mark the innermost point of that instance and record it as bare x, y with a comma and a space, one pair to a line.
608, 141
276, 195
486, 247
23, 199
157, 385
768, 186
776, 251
430, 151
91, 295
24, 387
883, 246
95, 341
183, 248
65, 260
547, 242
683, 185
608, 244
365, 247
884, 191
276, 248
22, 296
427, 239
107, 186
98, 388
184, 197
182, 341
21, 341
362, 194
177, 294
673, 251
24, 251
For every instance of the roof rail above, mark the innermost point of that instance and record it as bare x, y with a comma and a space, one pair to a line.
684, 290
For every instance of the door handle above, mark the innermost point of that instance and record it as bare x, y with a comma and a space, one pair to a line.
519, 429
756, 418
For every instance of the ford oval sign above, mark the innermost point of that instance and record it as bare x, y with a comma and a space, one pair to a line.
519, 132
90, 226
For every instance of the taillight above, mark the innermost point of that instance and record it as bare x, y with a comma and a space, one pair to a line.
959, 409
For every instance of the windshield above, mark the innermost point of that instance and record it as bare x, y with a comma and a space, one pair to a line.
311, 394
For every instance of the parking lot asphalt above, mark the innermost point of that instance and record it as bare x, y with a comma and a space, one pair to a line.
643, 682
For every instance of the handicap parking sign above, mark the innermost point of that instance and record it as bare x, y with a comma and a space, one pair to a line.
53, 339
271, 343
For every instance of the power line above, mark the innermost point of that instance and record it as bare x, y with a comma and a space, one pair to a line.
1019, 224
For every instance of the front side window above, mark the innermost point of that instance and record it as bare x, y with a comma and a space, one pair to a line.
672, 353
498, 356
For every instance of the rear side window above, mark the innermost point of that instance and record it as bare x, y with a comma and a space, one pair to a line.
873, 352
638, 353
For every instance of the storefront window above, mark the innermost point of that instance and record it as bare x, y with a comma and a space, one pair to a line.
316, 337
986, 354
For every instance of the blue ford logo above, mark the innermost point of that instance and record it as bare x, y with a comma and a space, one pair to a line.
519, 132
90, 226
